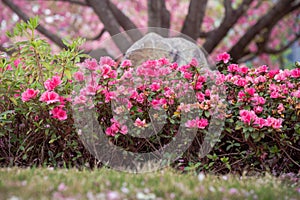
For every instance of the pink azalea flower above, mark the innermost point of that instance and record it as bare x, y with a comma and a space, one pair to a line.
277, 123
51, 84
243, 70
225, 57
126, 63
49, 97
280, 108
127, 74
207, 93
59, 113
105, 71
184, 107
281, 76
242, 96
296, 94
134, 94
272, 73
220, 79
273, 122
124, 130
174, 66
233, 68
109, 96
295, 73
241, 82
107, 61
191, 124
79, 76
92, 89
139, 123
247, 116
197, 123
17, 62
91, 64
115, 127
188, 75
290, 85
275, 95
260, 79
250, 91
202, 123
194, 62
140, 98
260, 122
163, 61
9, 68
273, 87
163, 101
201, 79
29, 94
261, 69
155, 103
80, 99
183, 68
168, 92
200, 96
258, 109
109, 132
198, 86
155, 87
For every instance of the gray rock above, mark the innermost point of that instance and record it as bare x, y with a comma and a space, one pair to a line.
176, 49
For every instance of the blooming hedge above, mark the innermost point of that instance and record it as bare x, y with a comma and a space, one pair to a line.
261, 111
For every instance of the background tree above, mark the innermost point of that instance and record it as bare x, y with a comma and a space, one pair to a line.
247, 29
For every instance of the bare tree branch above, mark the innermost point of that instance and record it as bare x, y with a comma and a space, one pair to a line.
230, 19
158, 15
125, 22
98, 36
204, 34
56, 39
82, 3
268, 50
262, 47
277, 12
77, 2
101, 8
248, 57
194, 18
228, 7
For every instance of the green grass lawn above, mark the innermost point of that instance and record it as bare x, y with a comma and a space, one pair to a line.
41, 183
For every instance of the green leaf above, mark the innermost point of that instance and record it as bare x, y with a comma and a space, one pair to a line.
52, 140
247, 134
24, 157
22, 148
207, 114
13, 100
68, 74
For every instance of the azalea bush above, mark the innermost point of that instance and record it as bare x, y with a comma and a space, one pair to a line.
262, 122
35, 83
258, 108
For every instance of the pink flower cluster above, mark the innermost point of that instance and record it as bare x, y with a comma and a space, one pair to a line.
115, 128
197, 123
264, 91
52, 83
29, 94
250, 118
49, 97
225, 57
